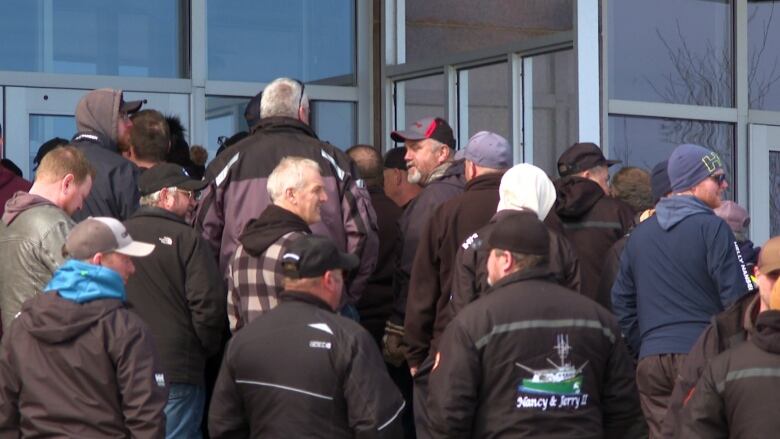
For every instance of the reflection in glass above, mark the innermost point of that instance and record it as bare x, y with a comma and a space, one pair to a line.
46, 127
774, 193
554, 107
488, 99
334, 122
764, 54
94, 37
644, 141
422, 97
684, 57
436, 28
224, 117
260, 40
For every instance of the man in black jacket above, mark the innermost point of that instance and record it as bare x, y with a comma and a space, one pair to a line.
103, 122
302, 371
177, 291
744, 380
531, 358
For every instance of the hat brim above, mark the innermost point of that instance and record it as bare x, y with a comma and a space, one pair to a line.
403, 136
130, 107
137, 249
193, 185
348, 261
613, 162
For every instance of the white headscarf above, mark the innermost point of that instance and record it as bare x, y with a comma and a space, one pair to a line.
525, 186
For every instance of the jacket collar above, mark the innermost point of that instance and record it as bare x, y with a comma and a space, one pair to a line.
303, 296
157, 212
283, 122
485, 182
541, 272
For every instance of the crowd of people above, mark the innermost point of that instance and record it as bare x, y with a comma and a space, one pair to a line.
292, 289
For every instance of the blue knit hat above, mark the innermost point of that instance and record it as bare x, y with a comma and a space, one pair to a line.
690, 164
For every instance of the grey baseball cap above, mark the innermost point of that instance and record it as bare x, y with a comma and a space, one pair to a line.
103, 235
489, 150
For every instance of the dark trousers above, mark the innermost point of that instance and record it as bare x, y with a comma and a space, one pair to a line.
655, 376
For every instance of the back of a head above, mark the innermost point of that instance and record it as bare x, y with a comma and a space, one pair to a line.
199, 155
62, 161
369, 164
395, 158
150, 136
46, 147
179, 152
283, 97
632, 185
525, 186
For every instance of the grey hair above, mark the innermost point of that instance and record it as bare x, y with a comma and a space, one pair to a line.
288, 174
281, 98
154, 198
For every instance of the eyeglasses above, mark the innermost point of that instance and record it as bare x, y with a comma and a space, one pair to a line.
303, 87
190, 194
720, 178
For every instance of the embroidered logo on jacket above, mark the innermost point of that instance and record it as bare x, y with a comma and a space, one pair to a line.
558, 387
166, 240
160, 379
319, 344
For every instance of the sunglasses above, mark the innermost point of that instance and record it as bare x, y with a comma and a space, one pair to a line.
303, 88
720, 178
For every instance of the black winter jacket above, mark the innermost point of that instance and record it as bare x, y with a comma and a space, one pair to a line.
592, 222
737, 395
301, 371
115, 187
178, 293
533, 359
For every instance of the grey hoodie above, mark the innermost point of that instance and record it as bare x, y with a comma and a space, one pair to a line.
98, 112
32, 233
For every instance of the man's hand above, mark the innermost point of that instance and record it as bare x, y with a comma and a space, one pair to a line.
393, 347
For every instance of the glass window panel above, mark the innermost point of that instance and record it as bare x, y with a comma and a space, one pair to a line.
441, 27
774, 193
488, 99
422, 97
679, 57
334, 122
224, 117
644, 141
554, 107
46, 127
94, 37
764, 55
260, 40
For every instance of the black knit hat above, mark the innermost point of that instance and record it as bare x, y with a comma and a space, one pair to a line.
521, 232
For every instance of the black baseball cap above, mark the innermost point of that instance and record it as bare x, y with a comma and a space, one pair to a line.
520, 232
581, 157
313, 255
252, 111
395, 158
427, 128
168, 175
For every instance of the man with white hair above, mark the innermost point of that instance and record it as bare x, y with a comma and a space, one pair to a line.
238, 192
523, 188
297, 193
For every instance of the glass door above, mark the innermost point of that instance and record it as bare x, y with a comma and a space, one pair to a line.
764, 189
35, 115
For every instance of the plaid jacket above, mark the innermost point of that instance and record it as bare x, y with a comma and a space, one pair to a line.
254, 283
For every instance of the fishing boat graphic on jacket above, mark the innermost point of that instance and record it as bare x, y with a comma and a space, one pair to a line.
561, 379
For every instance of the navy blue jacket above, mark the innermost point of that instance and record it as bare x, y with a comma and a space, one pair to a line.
679, 268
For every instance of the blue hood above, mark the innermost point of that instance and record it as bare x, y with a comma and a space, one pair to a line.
81, 282
671, 210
